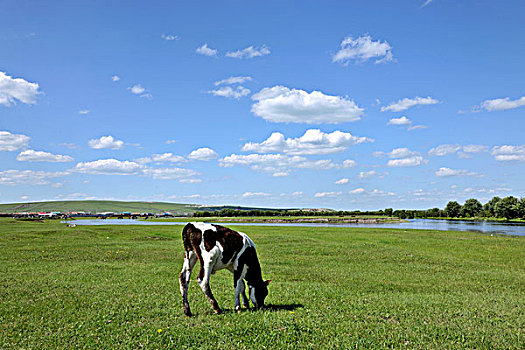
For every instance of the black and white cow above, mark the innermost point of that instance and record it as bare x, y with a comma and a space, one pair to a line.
217, 247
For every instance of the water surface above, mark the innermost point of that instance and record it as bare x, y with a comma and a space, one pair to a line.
419, 224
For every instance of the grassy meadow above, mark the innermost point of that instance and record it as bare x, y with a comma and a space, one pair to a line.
117, 287
96, 206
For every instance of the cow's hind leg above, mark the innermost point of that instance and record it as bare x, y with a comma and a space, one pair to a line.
190, 258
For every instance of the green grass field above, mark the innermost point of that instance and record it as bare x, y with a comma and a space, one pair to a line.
96, 206
116, 287
112, 206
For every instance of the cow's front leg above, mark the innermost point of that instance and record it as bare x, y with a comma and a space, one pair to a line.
205, 285
244, 298
238, 282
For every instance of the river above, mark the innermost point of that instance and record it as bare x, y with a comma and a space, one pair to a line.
486, 227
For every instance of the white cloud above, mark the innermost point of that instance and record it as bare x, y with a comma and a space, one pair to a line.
397, 153
228, 91
254, 194
416, 127
509, 153
327, 194
106, 142
381, 193
314, 141
294, 194
17, 89
233, 80
341, 181
28, 177
405, 162
281, 164
169, 142
447, 172
362, 49
501, 104
143, 160
40, 156
137, 89
249, 52
404, 121
281, 174
406, 103
109, 167
190, 181
206, 51
443, 150
24, 197
367, 174
163, 157
168, 157
474, 148
280, 104
180, 174
117, 167
399, 121
374, 192
12, 142
203, 154
115, 78
446, 149
347, 164
83, 111
170, 37
426, 3
401, 153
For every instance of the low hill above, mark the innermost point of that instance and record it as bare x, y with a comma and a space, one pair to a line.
113, 206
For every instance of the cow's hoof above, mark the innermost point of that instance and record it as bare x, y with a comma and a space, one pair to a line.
187, 312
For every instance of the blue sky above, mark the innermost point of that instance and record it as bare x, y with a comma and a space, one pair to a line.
339, 104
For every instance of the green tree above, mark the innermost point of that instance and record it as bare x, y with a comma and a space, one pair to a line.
508, 208
521, 208
389, 211
400, 214
490, 206
433, 213
471, 208
453, 209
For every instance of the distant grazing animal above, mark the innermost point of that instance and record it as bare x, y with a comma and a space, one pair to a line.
217, 248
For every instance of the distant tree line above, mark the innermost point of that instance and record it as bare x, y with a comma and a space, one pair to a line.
286, 212
507, 208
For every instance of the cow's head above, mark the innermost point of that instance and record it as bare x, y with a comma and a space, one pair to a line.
258, 293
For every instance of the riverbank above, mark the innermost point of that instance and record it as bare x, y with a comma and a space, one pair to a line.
288, 219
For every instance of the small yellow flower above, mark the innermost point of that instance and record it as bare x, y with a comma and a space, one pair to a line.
159, 330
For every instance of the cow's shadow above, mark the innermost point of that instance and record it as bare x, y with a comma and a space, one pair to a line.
279, 307
268, 308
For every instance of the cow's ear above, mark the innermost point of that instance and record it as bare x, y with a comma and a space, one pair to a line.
268, 282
